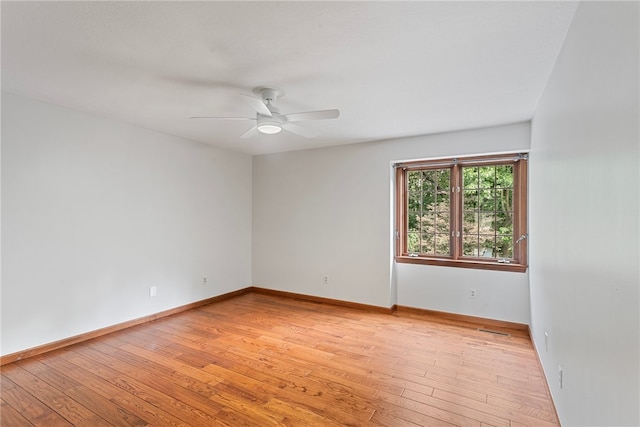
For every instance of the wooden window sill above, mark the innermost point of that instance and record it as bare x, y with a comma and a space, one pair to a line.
463, 263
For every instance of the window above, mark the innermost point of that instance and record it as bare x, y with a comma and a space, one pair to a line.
466, 212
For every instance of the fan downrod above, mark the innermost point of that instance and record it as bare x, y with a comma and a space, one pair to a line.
268, 93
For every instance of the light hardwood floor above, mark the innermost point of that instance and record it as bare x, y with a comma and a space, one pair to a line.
263, 360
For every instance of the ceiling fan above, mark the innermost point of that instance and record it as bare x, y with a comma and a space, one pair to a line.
268, 118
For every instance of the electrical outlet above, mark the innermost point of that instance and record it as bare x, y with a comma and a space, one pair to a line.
153, 291
472, 293
204, 281
560, 376
325, 280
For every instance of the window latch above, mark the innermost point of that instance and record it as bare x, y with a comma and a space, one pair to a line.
521, 238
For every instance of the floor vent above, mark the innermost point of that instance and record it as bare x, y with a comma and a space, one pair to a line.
489, 331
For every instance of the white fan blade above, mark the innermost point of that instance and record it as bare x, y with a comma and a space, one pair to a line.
223, 118
251, 132
299, 130
313, 115
257, 104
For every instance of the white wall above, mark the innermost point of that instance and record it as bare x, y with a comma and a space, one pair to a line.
584, 220
94, 212
327, 212
499, 295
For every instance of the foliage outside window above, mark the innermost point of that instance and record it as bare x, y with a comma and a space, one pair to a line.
467, 212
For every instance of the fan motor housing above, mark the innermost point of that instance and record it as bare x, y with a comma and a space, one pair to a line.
268, 93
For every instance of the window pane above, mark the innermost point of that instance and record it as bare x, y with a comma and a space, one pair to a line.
442, 244
488, 213
487, 245
413, 221
504, 223
487, 176
470, 178
413, 243
487, 200
442, 223
487, 223
470, 223
428, 206
435, 190
470, 201
427, 244
429, 201
413, 202
444, 178
429, 181
427, 222
470, 245
442, 201
504, 199
414, 181
504, 246
504, 176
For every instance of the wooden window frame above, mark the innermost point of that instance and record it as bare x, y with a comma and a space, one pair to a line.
516, 264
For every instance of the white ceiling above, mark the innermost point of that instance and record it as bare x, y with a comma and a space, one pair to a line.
393, 69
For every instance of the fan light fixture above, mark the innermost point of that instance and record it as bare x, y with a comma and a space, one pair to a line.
269, 128
269, 125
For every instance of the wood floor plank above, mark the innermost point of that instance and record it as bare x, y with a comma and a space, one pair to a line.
410, 407
312, 395
176, 408
294, 415
453, 406
12, 417
32, 409
68, 408
395, 416
103, 407
146, 413
264, 360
